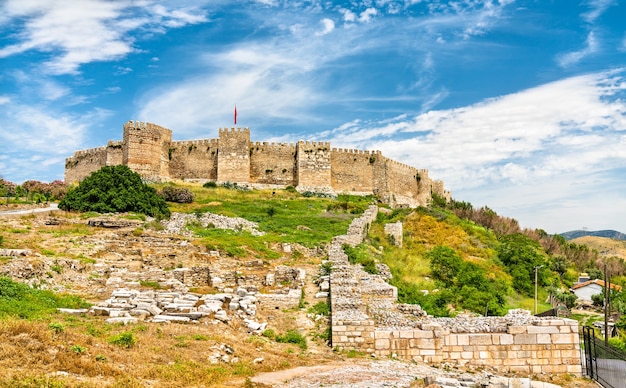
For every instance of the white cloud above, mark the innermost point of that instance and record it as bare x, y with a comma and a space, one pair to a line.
85, 31
573, 125
348, 16
327, 27
571, 58
367, 15
597, 9
37, 139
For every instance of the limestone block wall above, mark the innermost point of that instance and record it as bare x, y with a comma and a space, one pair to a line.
195, 158
351, 170
233, 157
313, 164
83, 163
535, 346
405, 182
394, 231
273, 163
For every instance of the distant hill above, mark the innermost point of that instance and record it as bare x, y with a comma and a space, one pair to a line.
612, 234
606, 247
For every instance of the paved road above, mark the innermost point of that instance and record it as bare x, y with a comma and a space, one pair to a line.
53, 206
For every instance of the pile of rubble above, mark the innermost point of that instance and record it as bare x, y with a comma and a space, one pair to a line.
130, 306
178, 222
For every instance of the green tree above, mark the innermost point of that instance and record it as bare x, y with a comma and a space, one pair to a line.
115, 189
445, 264
466, 285
521, 255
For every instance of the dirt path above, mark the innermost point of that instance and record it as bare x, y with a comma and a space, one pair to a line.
51, 207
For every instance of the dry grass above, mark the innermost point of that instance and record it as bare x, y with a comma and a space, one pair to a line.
164, 355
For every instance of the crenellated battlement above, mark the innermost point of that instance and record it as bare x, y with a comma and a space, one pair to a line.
234, 131
199, 143
142, 125
149, 150
356, 151
264, 145
88, 152
321, 145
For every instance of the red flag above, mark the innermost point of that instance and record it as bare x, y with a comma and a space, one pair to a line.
235, 114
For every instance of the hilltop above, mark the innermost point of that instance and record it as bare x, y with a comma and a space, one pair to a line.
604, 245
612, 234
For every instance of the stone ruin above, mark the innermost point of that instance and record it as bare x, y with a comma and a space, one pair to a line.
365, 316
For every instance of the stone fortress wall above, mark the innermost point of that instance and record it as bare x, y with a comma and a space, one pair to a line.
149, 150
365, 316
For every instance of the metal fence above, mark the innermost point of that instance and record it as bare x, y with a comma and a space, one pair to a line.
602, 363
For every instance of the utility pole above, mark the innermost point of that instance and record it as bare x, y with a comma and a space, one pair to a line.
536, 269
606, 307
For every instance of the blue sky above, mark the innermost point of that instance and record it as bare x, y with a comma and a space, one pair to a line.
517, 105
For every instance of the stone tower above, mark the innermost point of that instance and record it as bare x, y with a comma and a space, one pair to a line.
313, 164
146, 150
233, 158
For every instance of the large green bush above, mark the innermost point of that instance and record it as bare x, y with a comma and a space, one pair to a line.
115, 189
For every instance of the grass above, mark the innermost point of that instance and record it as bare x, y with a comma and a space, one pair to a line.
19, 300
293, 218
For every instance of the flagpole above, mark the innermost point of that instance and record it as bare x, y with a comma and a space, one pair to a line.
235, 114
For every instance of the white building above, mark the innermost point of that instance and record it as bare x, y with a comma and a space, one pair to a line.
586, 290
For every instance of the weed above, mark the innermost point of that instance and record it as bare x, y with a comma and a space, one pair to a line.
293, 337
124, 340
101, 358
269, 333
320, 308
56, 327
78, 349
150, 284
302, 302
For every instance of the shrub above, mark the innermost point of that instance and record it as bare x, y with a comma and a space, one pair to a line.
125, 340
269, 333
1, 240
177, 194
115, 189
293, 337
357, 255
210, 185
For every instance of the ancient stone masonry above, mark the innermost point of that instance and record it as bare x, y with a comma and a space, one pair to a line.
149, 150
365, 316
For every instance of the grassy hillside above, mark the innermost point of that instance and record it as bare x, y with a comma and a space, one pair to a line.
446, 263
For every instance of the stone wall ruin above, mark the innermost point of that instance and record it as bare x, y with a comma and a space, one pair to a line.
365, 316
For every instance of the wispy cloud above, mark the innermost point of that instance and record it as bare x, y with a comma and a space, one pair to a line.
571, 58
43, 135
86, 31
577, 124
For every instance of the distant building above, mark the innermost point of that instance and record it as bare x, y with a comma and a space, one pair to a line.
587, 289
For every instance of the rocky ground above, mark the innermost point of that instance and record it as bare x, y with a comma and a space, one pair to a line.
107, 263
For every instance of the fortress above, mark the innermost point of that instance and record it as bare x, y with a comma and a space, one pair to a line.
148, 149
